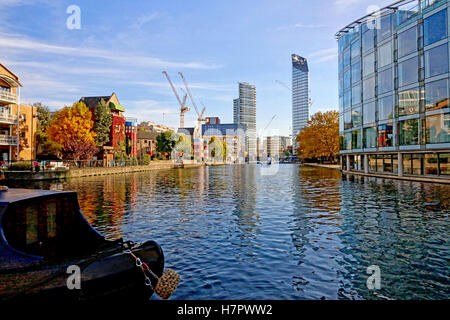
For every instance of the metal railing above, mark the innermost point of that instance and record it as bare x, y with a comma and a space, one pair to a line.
64, 165
7, 96
9, 118
7, 140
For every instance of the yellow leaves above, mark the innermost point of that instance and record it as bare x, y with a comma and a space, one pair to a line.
72, 122
321, 137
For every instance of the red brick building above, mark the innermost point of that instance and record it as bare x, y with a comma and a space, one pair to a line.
117, 137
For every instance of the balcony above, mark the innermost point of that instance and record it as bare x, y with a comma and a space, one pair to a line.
8, 118
6, 140
7, 97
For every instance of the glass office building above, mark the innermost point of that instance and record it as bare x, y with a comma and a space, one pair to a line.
244, 112
394, 90
300, 94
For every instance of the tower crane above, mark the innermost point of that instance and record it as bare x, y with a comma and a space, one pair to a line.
200, 115
183, 107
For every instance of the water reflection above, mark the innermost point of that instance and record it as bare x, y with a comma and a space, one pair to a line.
234, 233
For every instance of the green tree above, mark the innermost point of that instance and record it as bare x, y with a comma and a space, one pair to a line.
165, 142
102, 124
44, 145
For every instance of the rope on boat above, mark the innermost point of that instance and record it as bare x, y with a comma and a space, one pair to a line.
165, 285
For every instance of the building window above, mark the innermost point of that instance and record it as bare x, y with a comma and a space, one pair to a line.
369, 113
436, 61
435, 27
413, 163
356, 49
370, 137
385, 135
431, 164
346, 80
386, 108
408, 102
408, 72
356, 117
356, 72
384, 31
436, 95
356, 94
444, 164
385, 55
369, 88
356, 139
387, 163
346, 58
347, 99
409, 132
372, 159
347, 120
385, 81
348, 141
380, 159
368, 64
438, 128
368, 40
407, 42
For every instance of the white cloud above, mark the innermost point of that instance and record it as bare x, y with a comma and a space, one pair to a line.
144, 19
301, 26
323, 55
125, 59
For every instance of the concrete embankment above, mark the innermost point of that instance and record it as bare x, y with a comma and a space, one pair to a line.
383, 176
88, 172
328, 166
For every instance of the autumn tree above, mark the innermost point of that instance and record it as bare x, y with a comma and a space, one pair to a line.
102, 123
320, 139
72, 128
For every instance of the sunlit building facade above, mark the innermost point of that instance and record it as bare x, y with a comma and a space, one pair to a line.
394, 91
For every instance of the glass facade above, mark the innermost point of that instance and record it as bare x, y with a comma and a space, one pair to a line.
394, 90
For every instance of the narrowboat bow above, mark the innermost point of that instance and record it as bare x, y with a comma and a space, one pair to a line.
49, 250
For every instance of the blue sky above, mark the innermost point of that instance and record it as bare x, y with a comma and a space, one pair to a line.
123, 46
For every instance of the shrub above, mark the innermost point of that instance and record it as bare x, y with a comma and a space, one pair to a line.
21, 166
146, 159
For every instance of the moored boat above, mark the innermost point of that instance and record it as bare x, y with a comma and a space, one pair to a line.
49, 250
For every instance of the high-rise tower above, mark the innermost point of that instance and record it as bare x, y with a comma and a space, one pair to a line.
300, 94
244, 112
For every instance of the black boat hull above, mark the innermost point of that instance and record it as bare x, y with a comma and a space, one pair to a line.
104, 276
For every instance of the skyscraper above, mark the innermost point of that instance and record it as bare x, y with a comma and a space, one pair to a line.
300, 94
244, 112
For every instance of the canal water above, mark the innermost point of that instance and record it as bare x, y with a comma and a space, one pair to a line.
288, 232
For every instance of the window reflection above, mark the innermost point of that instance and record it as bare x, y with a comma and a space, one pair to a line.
408, 72
435, 27
385, 81
385, 55
408, 102
369, 113
436, 61
436, 95
409, 132
438, 128
370, 137
407, 42
385, 135
386, 108
369, 88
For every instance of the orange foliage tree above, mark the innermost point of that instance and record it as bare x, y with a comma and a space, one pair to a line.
320, 139
72, 128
